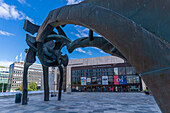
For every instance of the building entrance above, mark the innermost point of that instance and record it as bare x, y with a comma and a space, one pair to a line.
127, 88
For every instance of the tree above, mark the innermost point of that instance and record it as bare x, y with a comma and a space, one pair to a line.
31, 87
20, 87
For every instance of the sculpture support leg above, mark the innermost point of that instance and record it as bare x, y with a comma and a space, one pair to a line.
29, 60
46, 85
25, 88
60, 83
158, 82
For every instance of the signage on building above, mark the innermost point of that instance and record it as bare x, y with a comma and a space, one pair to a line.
101, 66
120, 80
94, 80
83, 80
88, 81
104, 80
99, 80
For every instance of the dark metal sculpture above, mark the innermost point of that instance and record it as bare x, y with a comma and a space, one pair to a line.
98, 42
139, 29
51, 55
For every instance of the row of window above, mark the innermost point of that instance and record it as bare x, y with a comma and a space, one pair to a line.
3, 76
32, 73
104, 72
16, 85
17, 81
4, 72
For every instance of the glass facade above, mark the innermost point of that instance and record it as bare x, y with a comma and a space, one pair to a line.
121, 77
4, 74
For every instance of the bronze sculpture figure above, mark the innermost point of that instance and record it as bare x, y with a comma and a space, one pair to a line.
139, 30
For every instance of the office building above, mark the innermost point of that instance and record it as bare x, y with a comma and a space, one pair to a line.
16, 75
4, 74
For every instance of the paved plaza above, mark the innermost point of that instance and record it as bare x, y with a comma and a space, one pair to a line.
84, 103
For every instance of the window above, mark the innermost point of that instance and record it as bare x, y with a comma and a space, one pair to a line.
129, 79
121, 70
116, 71
133, 70
132, 79
129, 70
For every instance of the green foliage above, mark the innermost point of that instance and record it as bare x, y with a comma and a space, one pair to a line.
31, 87
20, 87
145, 90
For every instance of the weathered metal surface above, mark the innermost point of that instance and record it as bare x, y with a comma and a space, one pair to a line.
153, 15
60, 83
46, 85
49, 54
98, 42
29, 60
138, 29
30, 27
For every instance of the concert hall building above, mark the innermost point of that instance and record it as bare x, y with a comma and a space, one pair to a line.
102, 74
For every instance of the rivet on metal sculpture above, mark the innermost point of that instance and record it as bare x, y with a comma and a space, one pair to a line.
137, 31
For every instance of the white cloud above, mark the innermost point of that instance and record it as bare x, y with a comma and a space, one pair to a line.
101, 51
9, 12
77, 35
23, 2
30, 19
6, 33
69, 2
82, 32
80, 50
89, 52
5, 63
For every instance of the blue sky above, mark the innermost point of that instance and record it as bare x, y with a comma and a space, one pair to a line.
12, 36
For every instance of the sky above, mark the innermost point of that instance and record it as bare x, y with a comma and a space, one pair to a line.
12, 36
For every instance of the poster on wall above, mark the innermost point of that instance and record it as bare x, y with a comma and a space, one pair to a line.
99, 80
120, 80
83, 80
116, 80
94, 81
104, 80
88, 81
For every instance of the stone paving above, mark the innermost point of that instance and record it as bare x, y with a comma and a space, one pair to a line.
84, 103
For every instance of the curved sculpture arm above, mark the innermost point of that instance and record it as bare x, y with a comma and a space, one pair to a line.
53, 55
98, 42
130, 39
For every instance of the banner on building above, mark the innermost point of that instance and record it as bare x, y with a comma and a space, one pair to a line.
99, 80
94, 80
88, 81
116, 80
120, 80
83, 80
104, 80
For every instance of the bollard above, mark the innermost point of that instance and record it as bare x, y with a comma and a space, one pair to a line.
18, 98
